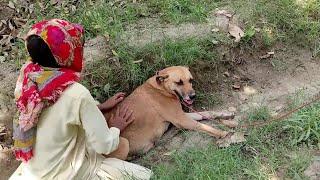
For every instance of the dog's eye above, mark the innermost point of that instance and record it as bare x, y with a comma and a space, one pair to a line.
191, 81
180, 83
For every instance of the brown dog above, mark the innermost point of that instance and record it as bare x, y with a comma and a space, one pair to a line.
156, 104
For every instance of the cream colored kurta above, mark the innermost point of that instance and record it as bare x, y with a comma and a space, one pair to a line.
71, 136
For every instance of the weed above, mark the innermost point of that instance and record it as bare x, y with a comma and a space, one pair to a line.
284, 20
138, 64
178, 11
263, 155
305, 126
260, 113
249, 34
296, 99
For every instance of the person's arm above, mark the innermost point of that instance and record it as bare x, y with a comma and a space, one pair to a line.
102, 139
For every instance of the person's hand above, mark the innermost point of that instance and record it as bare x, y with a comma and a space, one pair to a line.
111, 102
122, 118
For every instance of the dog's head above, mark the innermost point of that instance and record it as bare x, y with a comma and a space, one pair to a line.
177, 80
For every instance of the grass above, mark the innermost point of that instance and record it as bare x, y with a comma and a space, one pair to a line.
277, 150
137, 64
179, 11
112, 17
265, 155
283, 20
305, 126
259, 113
280, 150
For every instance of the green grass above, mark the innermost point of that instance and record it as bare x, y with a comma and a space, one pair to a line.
283, 20
268, 152
137, 64
305, 125
259, 113
112, 17
264, 155
178, 11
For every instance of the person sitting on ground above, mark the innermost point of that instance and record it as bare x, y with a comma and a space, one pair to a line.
61, 132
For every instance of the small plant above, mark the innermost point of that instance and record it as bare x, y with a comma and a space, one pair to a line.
305, 125
268, 36
296, 99
260, 113
249, 34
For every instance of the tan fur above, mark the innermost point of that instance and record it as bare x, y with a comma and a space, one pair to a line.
155, 105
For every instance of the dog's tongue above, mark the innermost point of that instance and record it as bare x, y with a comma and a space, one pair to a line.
188, 101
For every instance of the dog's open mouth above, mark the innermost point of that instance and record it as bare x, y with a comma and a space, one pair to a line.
186, 101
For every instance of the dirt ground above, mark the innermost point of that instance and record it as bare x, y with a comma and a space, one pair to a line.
272, 89
293, 69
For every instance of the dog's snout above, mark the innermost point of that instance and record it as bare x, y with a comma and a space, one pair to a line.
192, 95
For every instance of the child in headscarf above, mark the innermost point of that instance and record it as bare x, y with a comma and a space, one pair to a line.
61, 133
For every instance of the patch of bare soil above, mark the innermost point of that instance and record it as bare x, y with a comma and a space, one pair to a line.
8, 77
149, 30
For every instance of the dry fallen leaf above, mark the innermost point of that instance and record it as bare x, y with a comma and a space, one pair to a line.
268, 55
232, 109
236, 137
236, 32
138, 61
10, 26
224, 13
226, 74
236, 77
215, 30
249, 90
11, 5
236, 86
2, 59
169, 153
215, 42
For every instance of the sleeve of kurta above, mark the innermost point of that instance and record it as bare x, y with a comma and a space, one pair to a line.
102, 139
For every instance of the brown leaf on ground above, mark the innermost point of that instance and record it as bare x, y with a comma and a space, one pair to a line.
226, 74
11, 5
234, 138
236, 32
232, 109
268, 55
236, 86
223, 13
248, 90
222, 21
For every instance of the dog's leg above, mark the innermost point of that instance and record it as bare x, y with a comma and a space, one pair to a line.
211, 115
122, 151
190, 124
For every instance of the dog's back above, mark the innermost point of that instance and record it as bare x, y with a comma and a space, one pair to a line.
148, 125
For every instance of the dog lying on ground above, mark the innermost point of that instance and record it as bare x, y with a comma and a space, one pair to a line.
155, 105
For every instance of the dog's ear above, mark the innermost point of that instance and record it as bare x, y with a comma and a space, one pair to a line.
161, 78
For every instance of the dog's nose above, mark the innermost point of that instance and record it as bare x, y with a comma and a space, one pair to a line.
192, 96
